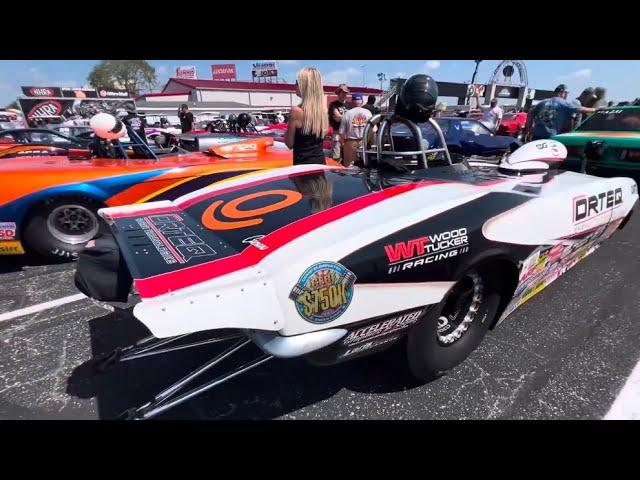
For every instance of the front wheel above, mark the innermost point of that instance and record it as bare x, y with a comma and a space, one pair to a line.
454, 328
60, 228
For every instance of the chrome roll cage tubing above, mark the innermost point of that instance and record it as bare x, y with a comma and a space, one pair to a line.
169, 398
385, 121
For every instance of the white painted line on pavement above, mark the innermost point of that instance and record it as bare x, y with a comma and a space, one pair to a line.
41, 306
627, 404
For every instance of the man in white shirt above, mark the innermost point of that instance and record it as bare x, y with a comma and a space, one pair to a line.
492, 116
352, 129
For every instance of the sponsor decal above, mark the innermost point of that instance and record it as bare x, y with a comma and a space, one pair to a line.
608, 112
255, 241
174, 241
11, 248
323, 292
48, 108
7, 230
634, 189
384, 327
369, 345
229, 216
587, 207
428, 249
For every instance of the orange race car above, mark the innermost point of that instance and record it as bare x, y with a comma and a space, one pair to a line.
48, 204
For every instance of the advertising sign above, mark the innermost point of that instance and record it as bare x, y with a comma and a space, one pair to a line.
224, 71
264, 69
188, 72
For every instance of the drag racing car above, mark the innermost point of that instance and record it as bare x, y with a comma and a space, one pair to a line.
49, 201
39, 142
332, 264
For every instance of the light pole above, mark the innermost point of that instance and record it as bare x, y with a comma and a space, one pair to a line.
362, 67
381, 77
473, 79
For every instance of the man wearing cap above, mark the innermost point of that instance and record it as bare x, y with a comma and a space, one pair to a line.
336, 111
352, 128
601, 101
550, 116
586, 99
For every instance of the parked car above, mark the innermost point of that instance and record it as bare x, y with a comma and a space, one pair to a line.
464, 136
512, 124
618, 128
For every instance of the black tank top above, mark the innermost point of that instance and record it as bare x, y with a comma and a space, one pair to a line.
307, 148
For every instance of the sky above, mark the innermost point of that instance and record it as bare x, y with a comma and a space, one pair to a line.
621, 78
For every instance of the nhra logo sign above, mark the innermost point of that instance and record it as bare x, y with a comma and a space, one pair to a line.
585, 208
41, 92
47, 109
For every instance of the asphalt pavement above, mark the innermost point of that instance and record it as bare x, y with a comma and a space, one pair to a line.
565, 354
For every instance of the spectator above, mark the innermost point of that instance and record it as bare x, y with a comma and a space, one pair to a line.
279, 118
610, 103
371, 105
550, 116
308, 122
601, 101
352, 128
441, 108
336, 110
492, 115
136, 122
186, 118
586, 99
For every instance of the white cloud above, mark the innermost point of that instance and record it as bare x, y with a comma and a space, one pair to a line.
578, 74
341, 76
163, 69
288, 62
433, 64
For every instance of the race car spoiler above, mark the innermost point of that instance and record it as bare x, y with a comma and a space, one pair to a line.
189, 278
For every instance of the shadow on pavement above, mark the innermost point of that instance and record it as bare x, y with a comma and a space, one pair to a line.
269, 391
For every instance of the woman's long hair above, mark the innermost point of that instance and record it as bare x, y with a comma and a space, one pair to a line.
313, 105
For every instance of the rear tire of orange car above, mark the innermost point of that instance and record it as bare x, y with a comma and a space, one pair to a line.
59, 228
443, 340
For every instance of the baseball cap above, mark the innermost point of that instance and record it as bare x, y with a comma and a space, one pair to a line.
342, 88
356, 96
561, 88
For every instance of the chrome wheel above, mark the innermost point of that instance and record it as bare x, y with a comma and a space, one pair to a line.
72, 224
460, 309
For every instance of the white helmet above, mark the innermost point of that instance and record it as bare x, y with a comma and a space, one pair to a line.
107, 126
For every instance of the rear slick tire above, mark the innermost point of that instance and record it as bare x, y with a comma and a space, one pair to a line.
454, 328
59, 228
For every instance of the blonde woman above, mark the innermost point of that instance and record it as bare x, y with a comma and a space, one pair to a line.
308, 122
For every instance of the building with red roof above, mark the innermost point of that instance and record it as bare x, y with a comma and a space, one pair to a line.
223, 96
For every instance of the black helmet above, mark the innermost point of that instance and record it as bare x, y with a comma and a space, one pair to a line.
417, 98
232, 117
244, 119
